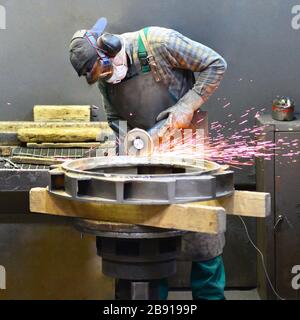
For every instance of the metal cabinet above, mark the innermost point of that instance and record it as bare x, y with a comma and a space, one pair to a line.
279, 236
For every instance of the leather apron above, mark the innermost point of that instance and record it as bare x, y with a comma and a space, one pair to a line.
139, 100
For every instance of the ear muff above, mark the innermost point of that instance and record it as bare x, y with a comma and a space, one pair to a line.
104, 58
110, 44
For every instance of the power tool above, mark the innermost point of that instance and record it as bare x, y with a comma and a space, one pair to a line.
139, 142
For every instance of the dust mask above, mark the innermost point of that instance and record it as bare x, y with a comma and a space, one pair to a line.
120, 67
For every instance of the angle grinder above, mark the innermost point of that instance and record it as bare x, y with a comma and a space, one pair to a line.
139, 142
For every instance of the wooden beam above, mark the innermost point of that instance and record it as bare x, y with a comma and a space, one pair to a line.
50, 113
59, 134
36, 160
243, 203
9, 129
14, 126
206, 219
68, 145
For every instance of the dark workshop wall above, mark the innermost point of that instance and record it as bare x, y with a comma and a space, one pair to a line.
258, 38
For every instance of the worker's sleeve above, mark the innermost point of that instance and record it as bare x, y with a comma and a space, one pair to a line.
184, 53
112, 115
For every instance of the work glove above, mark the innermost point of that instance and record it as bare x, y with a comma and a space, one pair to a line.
181, 114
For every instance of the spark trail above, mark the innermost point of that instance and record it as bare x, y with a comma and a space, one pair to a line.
234, 147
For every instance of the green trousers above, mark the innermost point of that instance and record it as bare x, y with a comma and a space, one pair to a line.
207, 280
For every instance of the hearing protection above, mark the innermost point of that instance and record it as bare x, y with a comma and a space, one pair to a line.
107, 47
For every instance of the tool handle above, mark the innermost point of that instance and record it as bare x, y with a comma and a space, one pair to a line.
155, 129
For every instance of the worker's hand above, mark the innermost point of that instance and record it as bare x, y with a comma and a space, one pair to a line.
180, 116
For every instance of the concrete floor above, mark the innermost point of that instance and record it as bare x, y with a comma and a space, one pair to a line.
230, 295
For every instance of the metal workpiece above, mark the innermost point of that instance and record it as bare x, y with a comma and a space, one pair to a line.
141, 180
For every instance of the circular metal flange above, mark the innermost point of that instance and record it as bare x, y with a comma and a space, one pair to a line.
141, 180
123, 230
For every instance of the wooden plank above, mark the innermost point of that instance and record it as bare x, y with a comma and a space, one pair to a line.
14, 126
51, 113
36, 160
243, 203
59, 134
206, 219
68, 145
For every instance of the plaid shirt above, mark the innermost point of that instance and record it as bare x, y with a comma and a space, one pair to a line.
178, 58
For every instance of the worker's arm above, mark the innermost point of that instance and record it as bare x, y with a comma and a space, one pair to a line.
184, 53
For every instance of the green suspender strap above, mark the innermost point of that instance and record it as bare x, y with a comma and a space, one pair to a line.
142, 53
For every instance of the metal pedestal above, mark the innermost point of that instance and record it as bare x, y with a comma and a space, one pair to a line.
137, 290
137, 257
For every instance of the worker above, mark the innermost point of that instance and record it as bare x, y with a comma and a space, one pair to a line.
144, 77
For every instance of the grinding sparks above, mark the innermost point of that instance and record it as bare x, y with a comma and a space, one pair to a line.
234, 147
227, 105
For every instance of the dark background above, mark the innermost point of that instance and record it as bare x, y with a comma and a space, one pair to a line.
254, 36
